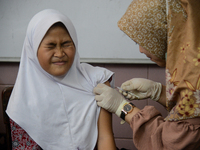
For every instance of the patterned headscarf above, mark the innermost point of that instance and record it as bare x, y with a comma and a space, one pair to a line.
172, 25
145, 22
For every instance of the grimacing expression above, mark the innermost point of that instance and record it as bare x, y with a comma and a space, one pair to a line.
56, 51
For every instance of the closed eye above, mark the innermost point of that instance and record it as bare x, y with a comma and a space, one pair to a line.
51, 45
67, 43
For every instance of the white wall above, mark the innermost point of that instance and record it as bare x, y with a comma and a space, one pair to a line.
100, 39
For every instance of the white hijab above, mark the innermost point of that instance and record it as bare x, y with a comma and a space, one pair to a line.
57, 112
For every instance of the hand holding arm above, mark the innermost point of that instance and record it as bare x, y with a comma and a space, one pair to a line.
109, 99
112, 100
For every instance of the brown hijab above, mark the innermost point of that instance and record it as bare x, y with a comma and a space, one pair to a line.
145, 22
172, 26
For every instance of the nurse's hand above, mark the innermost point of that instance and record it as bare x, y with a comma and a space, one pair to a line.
141, 89
109, 99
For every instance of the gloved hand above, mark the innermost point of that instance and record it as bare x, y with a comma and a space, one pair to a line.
109, 99
142, 88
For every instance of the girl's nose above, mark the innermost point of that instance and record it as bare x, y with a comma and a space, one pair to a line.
59, 52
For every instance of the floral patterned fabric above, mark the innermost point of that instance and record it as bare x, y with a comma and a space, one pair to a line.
152, 132
172, 26
183, 60
20, 139
180, 130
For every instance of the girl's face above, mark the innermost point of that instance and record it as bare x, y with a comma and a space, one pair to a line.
160, 62
56, 51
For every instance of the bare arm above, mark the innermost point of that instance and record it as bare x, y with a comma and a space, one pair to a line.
105, 136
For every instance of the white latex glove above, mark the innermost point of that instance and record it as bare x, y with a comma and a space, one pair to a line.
109, 99
142, 88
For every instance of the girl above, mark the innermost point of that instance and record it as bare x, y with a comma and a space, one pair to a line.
52, 105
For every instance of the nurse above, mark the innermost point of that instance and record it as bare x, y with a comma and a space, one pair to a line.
160, 26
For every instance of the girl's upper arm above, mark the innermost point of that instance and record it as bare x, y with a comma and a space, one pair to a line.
105, 136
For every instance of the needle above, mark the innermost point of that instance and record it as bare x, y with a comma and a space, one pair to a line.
128, 92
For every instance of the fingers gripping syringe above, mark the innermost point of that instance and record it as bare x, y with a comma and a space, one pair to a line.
132, 94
